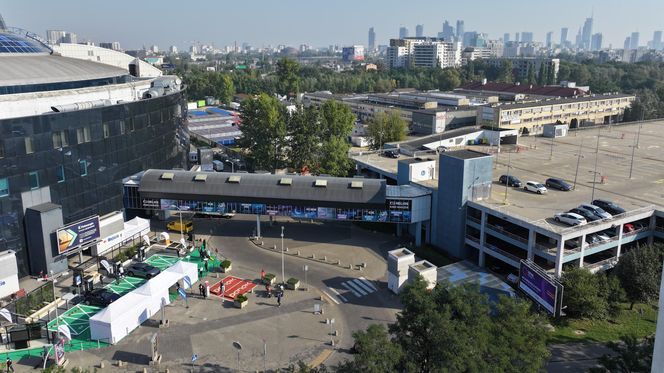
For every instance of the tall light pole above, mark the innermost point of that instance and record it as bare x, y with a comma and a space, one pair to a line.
578, 161
592, 197
180, 211
507, 182
283, 280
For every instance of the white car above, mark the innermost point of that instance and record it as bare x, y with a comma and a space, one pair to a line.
570, 218
535, 187
597, 211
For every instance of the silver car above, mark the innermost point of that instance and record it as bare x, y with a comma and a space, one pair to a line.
595, 211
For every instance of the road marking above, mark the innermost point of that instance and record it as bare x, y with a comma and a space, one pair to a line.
351, 290
337, 293
364, 284
368, 283
356, 288
331, 297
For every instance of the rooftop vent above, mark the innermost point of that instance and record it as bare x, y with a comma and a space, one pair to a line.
200, 177
357, 184
167, 176
286, 181
320, 183
235, 179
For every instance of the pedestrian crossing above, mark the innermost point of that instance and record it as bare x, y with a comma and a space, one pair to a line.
359, 287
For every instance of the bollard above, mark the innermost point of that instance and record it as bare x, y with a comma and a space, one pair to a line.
335, 333
324, 258
313, 256
364, 265
286, 248
119, 363
350, 266
338, 262
101, 365
145, 370
274, 247
297, 253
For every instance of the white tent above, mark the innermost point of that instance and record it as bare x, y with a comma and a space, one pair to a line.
124, 315
131, 310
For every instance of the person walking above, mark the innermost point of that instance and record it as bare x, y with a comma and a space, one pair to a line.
262, 274
10, 364
206, 264
279, 295
200, 290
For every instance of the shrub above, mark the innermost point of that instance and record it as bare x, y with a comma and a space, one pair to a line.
241, 298
292, 281
269, 277
225, 264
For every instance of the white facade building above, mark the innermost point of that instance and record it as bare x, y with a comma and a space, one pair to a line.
106, 56
423, 52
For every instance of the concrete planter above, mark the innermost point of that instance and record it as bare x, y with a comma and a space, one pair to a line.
240, 305
292, 285
226, 269
269, 279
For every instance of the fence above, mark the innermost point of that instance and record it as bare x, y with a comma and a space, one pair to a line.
33, 301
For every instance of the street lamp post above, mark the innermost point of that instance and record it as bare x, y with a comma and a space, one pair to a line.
592, 197
507, 182
578, 161
283, 280
180, 211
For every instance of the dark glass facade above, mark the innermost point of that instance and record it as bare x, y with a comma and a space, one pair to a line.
82, 157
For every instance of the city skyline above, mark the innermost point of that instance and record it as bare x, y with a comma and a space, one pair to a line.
262, 23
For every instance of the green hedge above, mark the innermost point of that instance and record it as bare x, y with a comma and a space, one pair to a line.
225, 264
241, 298
292, 281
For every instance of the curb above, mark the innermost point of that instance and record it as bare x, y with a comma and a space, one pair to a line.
336, 263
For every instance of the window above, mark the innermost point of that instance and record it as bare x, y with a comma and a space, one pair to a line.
83, 167
61, 173
4, 187
83, 135
59, 139
107, 131
34, 180
122, 127
29, 146
2, 149
131, 125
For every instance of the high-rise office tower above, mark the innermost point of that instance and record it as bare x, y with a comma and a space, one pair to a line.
506, 37
549, 39
527, 37
563, 36
460, 29
419, 31
372, 39
55, 36
596, 42
587, 32
627, 43
448, 32
70, 37
657, 40
403, 32
517, 37
634, 40
578, 42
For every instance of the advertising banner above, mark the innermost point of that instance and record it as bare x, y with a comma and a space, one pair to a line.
399, 204
540, 288
59, 348
77, 234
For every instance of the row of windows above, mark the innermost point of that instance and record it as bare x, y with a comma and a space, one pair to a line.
33, 177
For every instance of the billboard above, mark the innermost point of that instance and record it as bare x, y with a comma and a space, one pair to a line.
77, 234
542, 289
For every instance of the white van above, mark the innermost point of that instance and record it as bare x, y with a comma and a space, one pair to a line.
218, 165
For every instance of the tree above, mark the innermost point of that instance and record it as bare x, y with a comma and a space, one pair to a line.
225, 89
263, 131
386, 127
304, 144
584, 296
376, 353
531, 74
449, 79
541, 76
288, 71
640, 273
631, 356
505, 74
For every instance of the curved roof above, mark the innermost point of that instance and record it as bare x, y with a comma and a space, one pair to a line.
263, 188
25, 69
13, 44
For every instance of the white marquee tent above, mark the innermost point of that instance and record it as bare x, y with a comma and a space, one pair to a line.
127, 313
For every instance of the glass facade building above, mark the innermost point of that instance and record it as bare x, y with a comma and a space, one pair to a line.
78, 159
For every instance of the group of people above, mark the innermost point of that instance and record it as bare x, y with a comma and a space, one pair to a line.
268, 291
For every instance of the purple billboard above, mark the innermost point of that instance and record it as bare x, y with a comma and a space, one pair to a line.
539, 287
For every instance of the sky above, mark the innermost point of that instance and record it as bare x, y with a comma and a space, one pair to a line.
135, 23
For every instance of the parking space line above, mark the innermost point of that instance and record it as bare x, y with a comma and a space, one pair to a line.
331, 297
363, 285
352, 289
367, 282
337, 293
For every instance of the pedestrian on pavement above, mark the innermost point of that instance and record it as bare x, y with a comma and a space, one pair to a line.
262, 274
10, 364
177, 286
201, 290
206, 265
200, 272
279, 295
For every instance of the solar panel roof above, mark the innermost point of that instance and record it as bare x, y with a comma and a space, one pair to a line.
10, 43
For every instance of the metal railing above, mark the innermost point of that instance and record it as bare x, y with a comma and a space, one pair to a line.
473, 219
507, 233
472, 238
503, 252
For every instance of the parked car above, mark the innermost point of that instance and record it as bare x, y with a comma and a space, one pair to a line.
535, 187
603, 236
100, 297
228, 215
510, 180
143, 270
586, 214
611, 232
391, 154
559, 184
592, 238
595, 210
442, 149
609, 206
175, 226
570, 218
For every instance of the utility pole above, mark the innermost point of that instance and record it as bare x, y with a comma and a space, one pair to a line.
283, 280
578, 161
507, 182
592, 198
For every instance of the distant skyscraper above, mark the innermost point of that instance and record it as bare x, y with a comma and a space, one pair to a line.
578, 42
506, 37
634, 40
372, 39
527, 37
71, 38
460, 29
657, 40
517, 37
627, 43
419, 31
403, 32
587, 32
596, 42
55, 36
549, 39
448, 32
563, 35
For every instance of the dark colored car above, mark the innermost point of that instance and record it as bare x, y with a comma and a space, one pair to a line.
609, 206
101, 297
142, 270
391, 154
593, 238
586, 214
510, 181
554, 183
